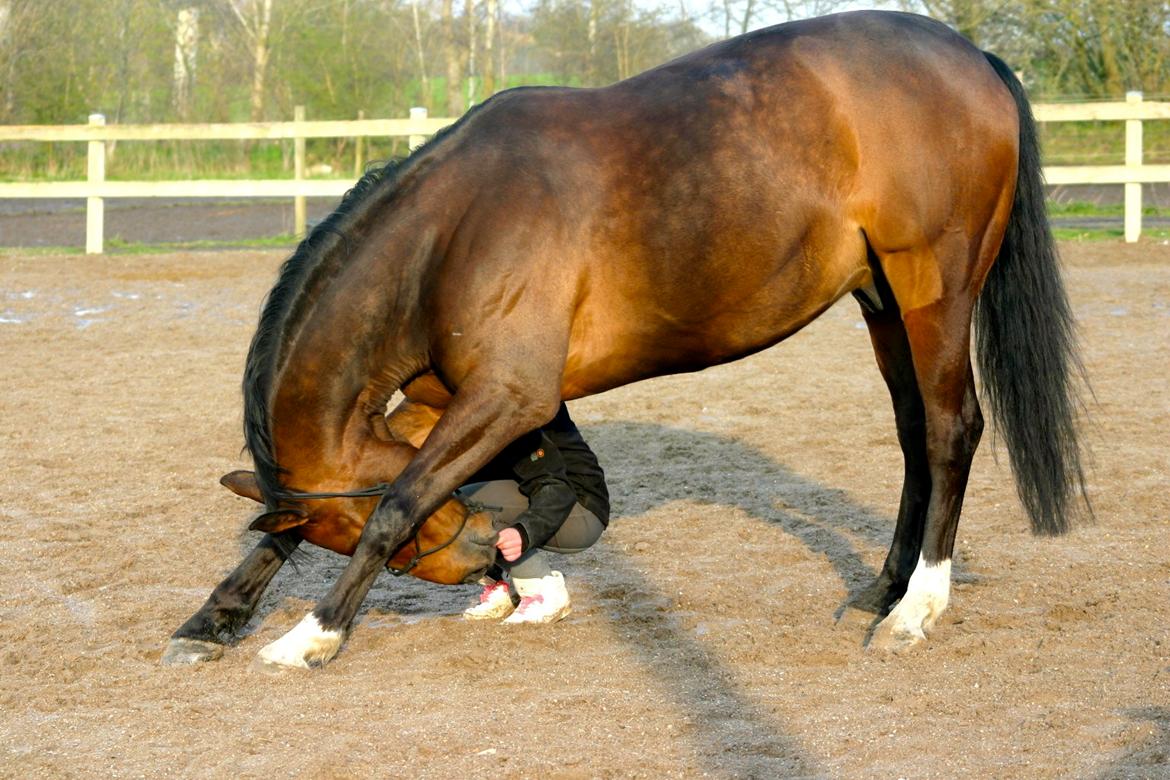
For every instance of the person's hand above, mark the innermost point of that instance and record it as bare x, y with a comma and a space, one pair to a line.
510, 544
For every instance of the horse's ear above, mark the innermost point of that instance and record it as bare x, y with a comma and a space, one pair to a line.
242, 483
278, 520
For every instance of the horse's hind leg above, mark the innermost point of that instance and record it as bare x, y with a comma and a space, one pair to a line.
892, 349
938, 334
231, 604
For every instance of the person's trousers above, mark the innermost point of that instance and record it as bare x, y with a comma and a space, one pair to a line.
504, 500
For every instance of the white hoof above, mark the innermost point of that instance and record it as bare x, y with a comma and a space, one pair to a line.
182, 651
926, 598
306, 646
892, 637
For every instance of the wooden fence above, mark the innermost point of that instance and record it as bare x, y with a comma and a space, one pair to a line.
1133, 111
95, 189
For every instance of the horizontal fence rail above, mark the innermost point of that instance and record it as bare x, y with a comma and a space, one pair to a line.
268, 131
1132, 174
96, 189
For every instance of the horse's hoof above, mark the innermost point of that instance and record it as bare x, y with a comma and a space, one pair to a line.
891, 636
306, 646
852, 618
878, 597
262, 666
183, 651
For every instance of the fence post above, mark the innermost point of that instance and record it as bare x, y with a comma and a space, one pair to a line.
415, 141
300, 216
1133, 159
95, 207
359, 150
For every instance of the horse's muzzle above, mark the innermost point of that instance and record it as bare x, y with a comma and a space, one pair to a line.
487, 546
475, 576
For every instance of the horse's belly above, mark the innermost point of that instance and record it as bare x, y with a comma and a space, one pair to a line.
627, 339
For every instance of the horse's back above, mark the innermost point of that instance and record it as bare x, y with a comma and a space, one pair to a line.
712, 206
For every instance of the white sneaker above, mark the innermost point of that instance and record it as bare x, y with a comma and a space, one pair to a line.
495, 602
543, 600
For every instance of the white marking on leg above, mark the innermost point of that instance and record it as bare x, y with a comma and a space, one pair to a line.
305, 646
926, 597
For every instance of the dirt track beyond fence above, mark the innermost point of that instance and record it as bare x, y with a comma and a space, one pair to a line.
749, 501
61, 223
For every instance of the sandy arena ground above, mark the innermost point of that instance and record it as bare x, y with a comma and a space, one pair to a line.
749, 502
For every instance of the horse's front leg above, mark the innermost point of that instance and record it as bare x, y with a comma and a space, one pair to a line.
481, 420
231, 604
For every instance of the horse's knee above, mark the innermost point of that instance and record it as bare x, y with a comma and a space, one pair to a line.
537, 411
387, 526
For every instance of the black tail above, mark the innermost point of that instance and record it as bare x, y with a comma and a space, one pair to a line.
1026, 345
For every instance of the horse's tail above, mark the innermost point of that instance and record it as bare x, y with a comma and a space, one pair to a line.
1026, 345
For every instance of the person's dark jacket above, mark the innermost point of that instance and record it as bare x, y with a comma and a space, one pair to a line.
554, 469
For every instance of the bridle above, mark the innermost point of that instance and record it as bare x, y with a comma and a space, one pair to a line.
379, 490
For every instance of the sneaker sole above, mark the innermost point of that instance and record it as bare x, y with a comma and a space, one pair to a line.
555, 617
488, 616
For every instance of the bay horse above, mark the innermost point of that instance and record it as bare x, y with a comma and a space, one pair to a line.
554, 243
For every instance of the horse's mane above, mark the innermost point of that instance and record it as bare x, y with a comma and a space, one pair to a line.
327, 246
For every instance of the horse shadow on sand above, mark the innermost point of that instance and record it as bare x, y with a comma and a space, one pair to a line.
1149, 759
647, 466
651, 465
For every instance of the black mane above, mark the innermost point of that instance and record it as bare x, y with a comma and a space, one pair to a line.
326, 246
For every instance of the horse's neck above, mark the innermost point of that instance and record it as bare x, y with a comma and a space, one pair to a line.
360, 337
333, 446
342, 369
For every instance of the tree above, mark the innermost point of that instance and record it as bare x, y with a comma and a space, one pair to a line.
469, 56
741, 16
255, 19
420, 51
186, 58
1089, 48
10, 55
1101, 48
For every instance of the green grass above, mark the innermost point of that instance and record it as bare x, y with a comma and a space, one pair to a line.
1106, 234
1101, 143
287, 242
40, 251
178, 160
1082, 209
117, 246
1076, 209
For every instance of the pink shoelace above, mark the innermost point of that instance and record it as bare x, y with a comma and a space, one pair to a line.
488, 590
528, 600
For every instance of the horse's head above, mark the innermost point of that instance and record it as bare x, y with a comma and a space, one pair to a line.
463, 560
453, 546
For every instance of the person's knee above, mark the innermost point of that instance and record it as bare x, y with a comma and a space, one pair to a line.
502, 498
580, 532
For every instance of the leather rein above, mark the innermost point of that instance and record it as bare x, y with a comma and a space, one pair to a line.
379, 490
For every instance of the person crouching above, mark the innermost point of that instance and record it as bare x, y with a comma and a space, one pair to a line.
546, 491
